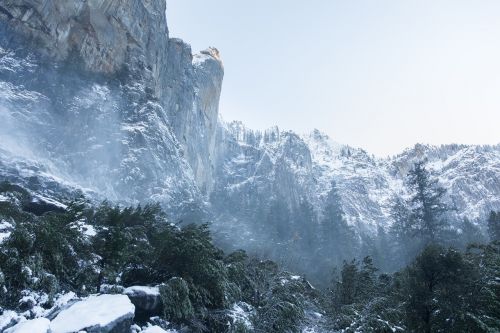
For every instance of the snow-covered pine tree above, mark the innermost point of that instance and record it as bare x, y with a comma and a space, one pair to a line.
426, 204
494, 226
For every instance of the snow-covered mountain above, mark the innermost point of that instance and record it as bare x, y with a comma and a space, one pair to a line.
256, 168
95, 98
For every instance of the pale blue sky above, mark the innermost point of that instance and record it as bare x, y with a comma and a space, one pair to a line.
377, 74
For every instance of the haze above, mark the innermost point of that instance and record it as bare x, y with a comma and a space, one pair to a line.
381, 75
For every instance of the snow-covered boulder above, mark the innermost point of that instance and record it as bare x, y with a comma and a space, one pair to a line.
61, 303
38, 325
9, 318
147, 300
96, 314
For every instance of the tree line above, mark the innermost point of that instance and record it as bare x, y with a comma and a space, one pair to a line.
84, 247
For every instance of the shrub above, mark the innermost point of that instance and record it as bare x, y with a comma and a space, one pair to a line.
177, 306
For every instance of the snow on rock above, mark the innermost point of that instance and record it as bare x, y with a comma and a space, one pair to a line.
9, 318
38, 325
147, 300
156, 329
5, 230
62, 302
86, 229
111, 289
142, 290
103, 313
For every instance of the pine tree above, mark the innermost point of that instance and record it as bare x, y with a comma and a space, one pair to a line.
471, 233
337, 237
494, 226
402, 232
367, 278
427, 207
401, 229
437, 282
349, 282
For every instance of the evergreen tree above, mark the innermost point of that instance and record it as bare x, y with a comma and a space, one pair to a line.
367, 279
470, 233
279, 221
348, 283
494, 226
426, 204
357, 282
438, 282
482, 313
338, 240
405, 244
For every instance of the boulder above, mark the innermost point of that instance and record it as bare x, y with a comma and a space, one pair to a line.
147, 301
8, 319
38, 325
96, 314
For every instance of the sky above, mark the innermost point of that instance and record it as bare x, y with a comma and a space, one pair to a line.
381, 75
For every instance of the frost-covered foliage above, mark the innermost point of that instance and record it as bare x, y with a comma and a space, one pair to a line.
442, 290
106, 249
57, 254
176, 302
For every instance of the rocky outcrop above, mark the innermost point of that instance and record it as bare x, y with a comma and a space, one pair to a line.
147, 301
201, 145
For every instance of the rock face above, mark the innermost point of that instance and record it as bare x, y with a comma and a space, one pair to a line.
96, 98
99, 98
104, 34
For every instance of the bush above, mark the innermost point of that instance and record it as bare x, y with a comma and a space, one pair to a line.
177, 306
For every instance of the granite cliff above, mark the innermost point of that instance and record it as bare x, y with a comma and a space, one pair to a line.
98, 96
